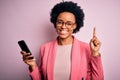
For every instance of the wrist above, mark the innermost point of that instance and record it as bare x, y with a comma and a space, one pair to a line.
31, 68
95, 53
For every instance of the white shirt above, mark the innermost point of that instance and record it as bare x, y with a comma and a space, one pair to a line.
62, 67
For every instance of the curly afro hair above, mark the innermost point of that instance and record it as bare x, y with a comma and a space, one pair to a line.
68, 7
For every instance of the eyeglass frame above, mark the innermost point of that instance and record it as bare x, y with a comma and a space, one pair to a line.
68, 24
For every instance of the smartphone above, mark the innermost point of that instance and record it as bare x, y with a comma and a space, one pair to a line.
24, 46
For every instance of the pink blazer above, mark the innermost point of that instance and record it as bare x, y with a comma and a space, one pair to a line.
84, 65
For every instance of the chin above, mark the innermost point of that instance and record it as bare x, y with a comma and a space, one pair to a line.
64, 36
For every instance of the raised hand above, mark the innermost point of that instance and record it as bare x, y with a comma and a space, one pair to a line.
95, 44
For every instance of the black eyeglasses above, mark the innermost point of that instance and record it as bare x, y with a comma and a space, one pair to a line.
68, 24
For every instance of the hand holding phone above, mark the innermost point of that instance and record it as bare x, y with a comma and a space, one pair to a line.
27, 58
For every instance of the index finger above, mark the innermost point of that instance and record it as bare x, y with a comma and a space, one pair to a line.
24, 53
94, 32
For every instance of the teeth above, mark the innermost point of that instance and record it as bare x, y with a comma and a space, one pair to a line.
63, 31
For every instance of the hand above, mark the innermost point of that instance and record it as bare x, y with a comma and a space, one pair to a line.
29, 60
95, 44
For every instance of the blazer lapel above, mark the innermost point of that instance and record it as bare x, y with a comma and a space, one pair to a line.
75, 60
51, 59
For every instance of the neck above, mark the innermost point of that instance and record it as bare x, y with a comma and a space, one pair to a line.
65, 41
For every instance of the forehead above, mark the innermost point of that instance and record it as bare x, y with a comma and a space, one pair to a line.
66, 16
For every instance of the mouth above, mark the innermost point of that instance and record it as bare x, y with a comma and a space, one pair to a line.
62, 32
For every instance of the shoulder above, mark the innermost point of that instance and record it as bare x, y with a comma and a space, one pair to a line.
81, 43
48, 44
84, 47
84, 44
45, 48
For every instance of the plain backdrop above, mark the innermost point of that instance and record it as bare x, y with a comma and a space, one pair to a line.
29, 20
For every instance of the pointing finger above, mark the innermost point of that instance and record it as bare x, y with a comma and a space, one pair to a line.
94, 32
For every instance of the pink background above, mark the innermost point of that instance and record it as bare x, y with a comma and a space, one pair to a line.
29, 20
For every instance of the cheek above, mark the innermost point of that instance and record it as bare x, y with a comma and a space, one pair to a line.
71, 30
57, 30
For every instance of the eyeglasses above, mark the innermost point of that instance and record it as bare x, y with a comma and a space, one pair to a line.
68, 24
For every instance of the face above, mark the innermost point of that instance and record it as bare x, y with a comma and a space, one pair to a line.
65, 24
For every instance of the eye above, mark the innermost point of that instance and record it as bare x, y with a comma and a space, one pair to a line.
59, 22
69, 23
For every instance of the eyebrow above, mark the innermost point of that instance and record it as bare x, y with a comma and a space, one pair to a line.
62, 20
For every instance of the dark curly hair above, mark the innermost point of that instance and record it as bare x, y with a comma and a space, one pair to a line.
68, 7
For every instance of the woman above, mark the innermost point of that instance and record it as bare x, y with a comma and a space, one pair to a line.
67, 58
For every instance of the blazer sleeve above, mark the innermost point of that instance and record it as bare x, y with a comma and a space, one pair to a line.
95, 69
36, 74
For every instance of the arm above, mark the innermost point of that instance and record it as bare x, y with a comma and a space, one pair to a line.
31, 62
36, 74
95, 69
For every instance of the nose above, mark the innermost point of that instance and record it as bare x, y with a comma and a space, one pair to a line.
63, 26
